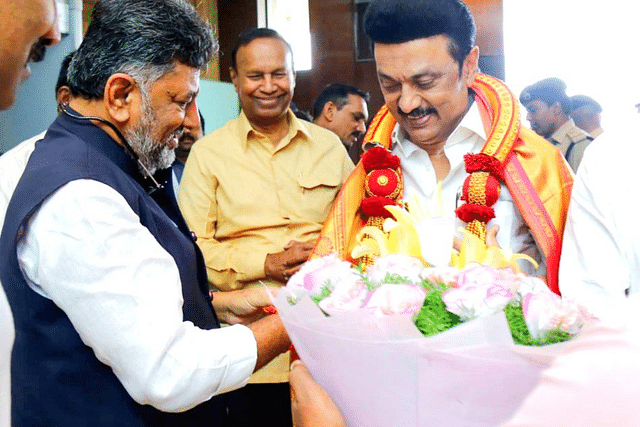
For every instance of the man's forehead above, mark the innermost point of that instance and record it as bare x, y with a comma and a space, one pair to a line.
262, 49
28, 12
535, 105
182, 80
357, 102
415, 58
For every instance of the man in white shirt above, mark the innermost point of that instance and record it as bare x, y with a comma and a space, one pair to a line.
600, 264
116, 325
27, 28
13, 162
449, 124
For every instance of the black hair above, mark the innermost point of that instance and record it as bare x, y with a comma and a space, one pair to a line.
338, 93
250, 35
143, 37
62, 75
400, 21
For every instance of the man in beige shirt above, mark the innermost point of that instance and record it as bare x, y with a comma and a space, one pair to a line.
257, 191
548, 108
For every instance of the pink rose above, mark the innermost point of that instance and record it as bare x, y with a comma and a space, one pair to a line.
319, 273
483, 275
404, 266
546, 311
347, 295
400, 298
481, 291
447, 275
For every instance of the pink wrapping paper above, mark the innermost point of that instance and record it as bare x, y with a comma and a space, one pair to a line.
382, 372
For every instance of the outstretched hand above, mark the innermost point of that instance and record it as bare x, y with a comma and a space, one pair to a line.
282, 265
491, 240
243, 306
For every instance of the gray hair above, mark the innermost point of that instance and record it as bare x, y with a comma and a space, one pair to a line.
142, 37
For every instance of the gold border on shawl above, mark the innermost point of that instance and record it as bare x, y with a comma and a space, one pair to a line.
506, 123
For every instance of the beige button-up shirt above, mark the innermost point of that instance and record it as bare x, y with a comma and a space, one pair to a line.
245, 198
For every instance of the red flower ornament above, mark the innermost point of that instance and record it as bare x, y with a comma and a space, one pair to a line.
374, 206
379, 158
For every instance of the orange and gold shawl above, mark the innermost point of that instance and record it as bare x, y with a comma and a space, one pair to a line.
536, 175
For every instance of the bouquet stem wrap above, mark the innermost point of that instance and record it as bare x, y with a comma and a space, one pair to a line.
382, 372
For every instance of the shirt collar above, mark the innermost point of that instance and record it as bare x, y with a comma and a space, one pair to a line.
295, 126
557, 136
470, 124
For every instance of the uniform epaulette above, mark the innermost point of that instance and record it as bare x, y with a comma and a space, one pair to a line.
578, 135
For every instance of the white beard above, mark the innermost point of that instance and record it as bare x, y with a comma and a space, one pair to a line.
152, 154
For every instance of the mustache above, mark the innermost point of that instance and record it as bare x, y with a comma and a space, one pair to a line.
177, 133
417, 112
38, 50
187, 137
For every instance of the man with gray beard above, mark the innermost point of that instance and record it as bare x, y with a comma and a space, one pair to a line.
115, 325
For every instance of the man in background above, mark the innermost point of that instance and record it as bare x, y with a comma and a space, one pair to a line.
192, 132
13, 162
256, 193
343, 110
26, 29
548, 108
585, 112
116, 325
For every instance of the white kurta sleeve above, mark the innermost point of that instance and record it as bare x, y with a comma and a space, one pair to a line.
86, 250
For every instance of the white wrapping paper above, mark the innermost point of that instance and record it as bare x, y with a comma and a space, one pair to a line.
382, 372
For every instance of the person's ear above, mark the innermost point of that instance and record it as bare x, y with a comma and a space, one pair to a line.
234, 77
63, 95
557, 109
470, 66
122, 97
329, 111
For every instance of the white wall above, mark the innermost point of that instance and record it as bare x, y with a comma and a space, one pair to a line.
590, 44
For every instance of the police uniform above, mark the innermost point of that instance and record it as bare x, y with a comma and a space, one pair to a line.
571, 141
593, 109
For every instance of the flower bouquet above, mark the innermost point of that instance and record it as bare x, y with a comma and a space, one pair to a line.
411, 340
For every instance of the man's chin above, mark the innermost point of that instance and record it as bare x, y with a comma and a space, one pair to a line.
161, 160
419, 136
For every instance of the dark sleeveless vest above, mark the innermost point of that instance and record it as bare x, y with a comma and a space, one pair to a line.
56, 379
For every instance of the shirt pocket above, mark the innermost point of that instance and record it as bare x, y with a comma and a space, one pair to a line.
318, 192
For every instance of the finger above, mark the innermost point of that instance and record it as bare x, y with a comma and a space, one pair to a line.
298, 256
309, 245
299, 375
492, 236
293, 270
457, 243
259, 297
272, 290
